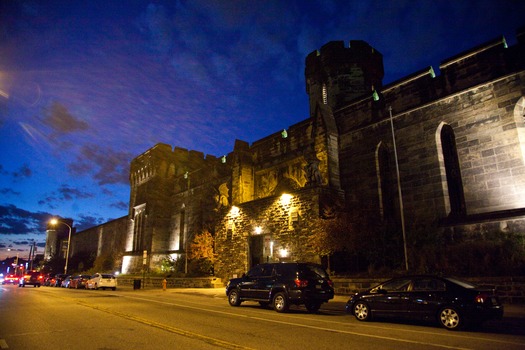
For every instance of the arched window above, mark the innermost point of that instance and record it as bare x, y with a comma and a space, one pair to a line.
453, 172
384, 182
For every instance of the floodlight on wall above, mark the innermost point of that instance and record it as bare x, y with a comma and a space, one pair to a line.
234, 211
286, 198
258, 230
284, 133
283, 252
223, 159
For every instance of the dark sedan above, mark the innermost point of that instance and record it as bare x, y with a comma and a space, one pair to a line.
79, 281
450, 301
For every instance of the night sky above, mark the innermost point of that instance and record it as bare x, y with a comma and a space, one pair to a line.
86, 86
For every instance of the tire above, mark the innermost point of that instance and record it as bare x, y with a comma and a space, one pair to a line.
362, 311
312, 306
450, 318
280, 302
234, 298
114, 288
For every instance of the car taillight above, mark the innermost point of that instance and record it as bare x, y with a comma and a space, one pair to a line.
301, 283
481, 298
330, 283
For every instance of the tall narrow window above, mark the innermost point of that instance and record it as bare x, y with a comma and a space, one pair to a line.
325, 95
453, 172
139, 222
384, 183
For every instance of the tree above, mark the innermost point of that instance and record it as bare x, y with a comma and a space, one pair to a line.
201, 254
333, 233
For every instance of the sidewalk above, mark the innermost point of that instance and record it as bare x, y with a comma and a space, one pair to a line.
511, 310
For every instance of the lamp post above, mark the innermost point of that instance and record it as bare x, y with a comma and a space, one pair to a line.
54, 222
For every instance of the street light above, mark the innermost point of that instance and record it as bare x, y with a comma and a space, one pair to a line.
54, 222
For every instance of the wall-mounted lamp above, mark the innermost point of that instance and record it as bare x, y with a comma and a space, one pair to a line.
286, 199
234, 211
258, 230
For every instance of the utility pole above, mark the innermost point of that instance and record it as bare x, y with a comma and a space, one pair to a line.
401, 209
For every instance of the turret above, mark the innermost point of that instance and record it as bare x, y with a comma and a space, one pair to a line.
336, 75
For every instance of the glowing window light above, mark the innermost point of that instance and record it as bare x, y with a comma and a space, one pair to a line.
325, 95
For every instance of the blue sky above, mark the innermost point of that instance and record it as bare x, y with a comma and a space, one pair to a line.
86, 86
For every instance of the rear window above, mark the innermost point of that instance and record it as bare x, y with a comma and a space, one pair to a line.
107, 276
462, 283
313, 271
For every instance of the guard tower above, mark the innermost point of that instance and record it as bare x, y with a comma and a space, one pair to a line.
336, 75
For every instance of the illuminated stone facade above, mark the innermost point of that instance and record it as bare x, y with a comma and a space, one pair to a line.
459, 142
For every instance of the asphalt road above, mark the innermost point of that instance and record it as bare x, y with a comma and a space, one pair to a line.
57, 318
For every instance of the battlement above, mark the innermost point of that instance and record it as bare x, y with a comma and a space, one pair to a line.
486, 62
162, 160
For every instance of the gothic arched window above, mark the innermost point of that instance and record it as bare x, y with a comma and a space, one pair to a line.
453, 172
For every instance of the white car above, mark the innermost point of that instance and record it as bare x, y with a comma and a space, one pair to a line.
102, 280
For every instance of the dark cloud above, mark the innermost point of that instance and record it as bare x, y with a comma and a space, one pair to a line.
8, 191
49, 202
64, 193
61, 121
106, 166
68, 193
23, 172
120, 205
86, 221
17, 221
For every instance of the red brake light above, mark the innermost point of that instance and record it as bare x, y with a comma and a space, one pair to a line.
301, 283
330, 283
481, 298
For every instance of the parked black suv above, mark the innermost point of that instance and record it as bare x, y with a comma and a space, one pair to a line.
281, 285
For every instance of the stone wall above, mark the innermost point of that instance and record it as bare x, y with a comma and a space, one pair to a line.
108, 238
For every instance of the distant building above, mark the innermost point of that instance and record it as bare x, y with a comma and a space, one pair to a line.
459, 147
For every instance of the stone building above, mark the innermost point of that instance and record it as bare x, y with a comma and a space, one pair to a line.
443, 151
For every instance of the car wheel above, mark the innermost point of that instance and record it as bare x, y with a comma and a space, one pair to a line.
280, 302
312, 306
233, 298
362, 311
450, 319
